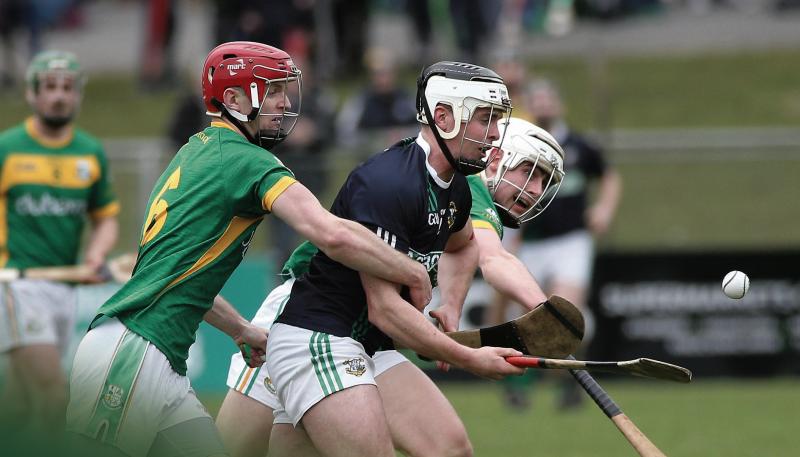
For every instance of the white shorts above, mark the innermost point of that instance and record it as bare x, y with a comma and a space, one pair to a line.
566, 258
36, 312
123, 391
307, 366
256, 383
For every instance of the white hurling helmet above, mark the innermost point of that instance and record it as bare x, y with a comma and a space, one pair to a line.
464, 88
523, 142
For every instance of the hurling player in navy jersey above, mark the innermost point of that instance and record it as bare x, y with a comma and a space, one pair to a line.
414, 195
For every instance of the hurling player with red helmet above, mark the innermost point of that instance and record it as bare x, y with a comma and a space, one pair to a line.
128, 385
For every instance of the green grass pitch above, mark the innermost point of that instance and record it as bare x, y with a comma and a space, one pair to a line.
723, 418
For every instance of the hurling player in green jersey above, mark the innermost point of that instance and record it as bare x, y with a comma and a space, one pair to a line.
128, 386
518, 183
53, 179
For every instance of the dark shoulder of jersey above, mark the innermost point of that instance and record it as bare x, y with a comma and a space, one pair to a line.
589, 157
584, 162
393, 195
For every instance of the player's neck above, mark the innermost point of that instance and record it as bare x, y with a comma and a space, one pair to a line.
230, 125
49, 133
436, 158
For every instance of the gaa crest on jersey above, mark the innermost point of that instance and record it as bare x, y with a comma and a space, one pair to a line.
83, 170
269, 385
112, 398
356, 366
451, 215
492, 216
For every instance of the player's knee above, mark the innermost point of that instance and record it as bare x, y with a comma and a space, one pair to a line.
460, 447
453, 443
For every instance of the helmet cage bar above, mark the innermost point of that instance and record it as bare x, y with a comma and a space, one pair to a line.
268, 138
536, 205
485, 144
285, 127
78, 78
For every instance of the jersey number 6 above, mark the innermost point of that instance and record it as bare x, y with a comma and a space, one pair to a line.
157, 216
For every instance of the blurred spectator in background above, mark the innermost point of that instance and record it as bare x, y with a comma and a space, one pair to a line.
158, 69
474, 22
350, 21
420, 14
189, 116
287, 24
384, 112
558, 246
305, 153
515, 75
33, 16
11, 17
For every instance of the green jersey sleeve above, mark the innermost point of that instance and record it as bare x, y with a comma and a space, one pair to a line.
483, 213
298, 262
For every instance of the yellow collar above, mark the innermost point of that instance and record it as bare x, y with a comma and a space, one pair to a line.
30, 128
222, 125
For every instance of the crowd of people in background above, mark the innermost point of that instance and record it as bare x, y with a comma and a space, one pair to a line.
333, 33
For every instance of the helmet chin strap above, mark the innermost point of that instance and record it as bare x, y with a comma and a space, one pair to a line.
506, 218
238, 119
462, 166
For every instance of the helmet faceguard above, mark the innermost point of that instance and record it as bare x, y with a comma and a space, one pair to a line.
63, 69
525, 142
464, 88
60, 62
263, 73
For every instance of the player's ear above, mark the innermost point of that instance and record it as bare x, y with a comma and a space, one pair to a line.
235, 99
30, 96
443, 116
494, 164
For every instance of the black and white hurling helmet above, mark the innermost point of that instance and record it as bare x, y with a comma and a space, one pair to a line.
464, 87
523, 142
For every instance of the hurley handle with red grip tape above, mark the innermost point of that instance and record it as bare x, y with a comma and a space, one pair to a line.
642, 367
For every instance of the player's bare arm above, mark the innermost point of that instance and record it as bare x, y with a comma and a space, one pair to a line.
104, 235
600, 215
404, 324
505, 273
456, 270
350, 243
223, 316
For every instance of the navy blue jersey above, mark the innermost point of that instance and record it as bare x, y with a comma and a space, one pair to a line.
583, 162
394, 195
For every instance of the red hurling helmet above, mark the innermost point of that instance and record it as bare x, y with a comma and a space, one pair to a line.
253, 67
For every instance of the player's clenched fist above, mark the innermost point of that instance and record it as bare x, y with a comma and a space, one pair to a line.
489, 362
420, 293
253, 344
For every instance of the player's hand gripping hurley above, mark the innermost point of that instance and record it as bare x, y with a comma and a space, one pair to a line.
552, 329
118, 269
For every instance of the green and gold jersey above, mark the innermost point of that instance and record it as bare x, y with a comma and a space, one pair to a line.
483, 213
47, 189
200, 220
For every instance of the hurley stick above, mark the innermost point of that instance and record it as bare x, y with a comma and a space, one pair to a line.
638, 440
